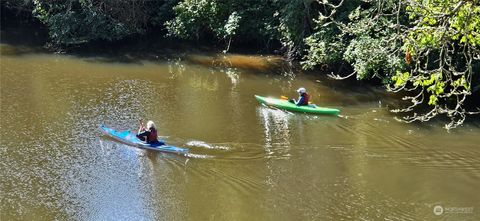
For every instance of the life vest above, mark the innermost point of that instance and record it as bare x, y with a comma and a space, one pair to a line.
152, 136
306, 98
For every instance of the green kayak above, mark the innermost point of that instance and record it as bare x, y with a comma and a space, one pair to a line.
285, 105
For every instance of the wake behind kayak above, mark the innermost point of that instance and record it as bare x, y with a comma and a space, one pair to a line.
129, 138
286, 105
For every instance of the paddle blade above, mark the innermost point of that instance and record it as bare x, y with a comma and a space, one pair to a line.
283, 97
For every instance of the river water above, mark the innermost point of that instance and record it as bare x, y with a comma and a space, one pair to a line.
246, 161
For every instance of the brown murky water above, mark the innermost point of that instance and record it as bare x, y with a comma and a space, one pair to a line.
247, 162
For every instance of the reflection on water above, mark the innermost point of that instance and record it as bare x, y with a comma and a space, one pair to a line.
229, 61
246, 161
277, 134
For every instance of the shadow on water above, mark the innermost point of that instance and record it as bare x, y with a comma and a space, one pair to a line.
18, 36
21, 38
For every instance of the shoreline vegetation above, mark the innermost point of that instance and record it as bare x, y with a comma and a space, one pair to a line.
427, 50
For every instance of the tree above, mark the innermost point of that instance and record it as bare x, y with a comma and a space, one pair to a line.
362, 34
442, 47
283, 21
80, 21
430, 48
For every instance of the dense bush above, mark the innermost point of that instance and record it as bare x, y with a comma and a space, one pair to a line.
80, 21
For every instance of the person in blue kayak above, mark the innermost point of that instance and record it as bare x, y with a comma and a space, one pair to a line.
303, 97
148, 134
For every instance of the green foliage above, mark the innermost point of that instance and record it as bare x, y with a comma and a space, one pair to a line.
359, 36
461, 20
443, 41
448, 31
222, 19
323, 48
280, 20
400, 78
195, 17
294, 18
231, 25
372, 57
328, 42
79, 21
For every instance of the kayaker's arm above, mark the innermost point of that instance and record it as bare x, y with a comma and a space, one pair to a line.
300, 101
141, 128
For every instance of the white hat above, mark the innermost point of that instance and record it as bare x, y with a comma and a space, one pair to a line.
302, 90
150, 124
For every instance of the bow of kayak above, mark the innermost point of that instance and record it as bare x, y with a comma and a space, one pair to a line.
286, 105
131, 139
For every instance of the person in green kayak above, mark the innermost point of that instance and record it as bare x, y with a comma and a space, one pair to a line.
303, 97
148, 134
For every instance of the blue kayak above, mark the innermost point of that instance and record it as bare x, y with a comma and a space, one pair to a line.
131, 139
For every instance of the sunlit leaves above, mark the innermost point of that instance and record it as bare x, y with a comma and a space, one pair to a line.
232, 24
442, 39
439, 21
433, 100
400, 78
192, 16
